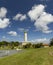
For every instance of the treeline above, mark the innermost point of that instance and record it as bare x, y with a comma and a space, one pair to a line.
5, 43
9, 44
17, 44
30, 45
38, 45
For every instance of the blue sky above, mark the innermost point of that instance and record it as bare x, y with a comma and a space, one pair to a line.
35, 16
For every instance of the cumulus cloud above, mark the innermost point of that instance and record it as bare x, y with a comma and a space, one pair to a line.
20, 17
36, 11
4, 23
3, 12
41, 18
42, 22
12, 33
43, 40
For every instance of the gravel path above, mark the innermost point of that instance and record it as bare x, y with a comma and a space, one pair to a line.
8, 52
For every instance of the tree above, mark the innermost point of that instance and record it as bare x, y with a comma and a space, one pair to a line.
38, 45
16, 43
28, 45
0, 44
51, 42
5, 43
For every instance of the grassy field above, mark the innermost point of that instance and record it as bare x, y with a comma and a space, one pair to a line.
41, 56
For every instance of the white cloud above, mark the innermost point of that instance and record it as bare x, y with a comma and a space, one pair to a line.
45, 0
36, 11
42, 22
4, 23
43, 40
12, 33
3, 12
17, 17
22, 29
20, 17
41, 18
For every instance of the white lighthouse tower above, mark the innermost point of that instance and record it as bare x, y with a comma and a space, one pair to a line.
25, 38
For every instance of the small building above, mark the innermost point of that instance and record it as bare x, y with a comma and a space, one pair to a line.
46, 45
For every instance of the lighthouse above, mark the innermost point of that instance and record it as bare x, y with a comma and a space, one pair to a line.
25, 36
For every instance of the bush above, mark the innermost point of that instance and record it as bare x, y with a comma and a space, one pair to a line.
38, 45
28, 45
12, 47
20, 47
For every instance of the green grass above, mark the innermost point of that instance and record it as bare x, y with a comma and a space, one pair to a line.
39, 56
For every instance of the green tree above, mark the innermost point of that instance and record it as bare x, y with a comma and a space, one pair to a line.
16, 43
28, 45
38, 45
51, 42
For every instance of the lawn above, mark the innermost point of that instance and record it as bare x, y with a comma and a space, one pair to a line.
41, 56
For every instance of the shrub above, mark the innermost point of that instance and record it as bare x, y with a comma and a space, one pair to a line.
28, 45
12, 47
38, 45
